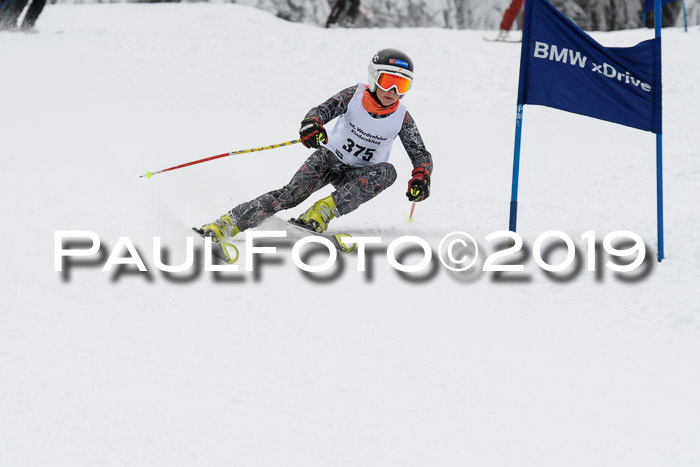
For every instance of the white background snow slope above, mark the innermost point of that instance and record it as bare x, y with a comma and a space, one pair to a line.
366, 369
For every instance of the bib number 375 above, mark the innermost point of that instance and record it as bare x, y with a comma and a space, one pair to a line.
357, 150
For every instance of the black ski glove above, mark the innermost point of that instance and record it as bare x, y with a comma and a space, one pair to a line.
312, 132
419, 184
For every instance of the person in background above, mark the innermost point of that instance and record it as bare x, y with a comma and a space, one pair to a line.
10, 11
343, 13
508, 18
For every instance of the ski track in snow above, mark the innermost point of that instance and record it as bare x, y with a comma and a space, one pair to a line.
276, 368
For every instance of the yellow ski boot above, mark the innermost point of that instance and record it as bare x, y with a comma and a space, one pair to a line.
220, 228
319, 215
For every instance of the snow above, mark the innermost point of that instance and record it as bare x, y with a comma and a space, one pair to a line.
273, 367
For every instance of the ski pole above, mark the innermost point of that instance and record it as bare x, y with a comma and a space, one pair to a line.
226, 154
410, 216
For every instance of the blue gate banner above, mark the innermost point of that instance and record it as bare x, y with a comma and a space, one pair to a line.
564, 68
649, 4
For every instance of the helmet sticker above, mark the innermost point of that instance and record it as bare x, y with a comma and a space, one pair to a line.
396, 61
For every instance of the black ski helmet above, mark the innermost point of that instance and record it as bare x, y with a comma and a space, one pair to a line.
392, 61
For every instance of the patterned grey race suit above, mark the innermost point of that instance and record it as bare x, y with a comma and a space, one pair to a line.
354, 185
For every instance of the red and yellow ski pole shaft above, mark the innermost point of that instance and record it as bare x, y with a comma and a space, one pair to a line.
410, 216
149, 174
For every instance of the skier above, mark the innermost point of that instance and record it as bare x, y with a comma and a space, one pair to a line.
10, 11
343, 13
508, 18
352, 158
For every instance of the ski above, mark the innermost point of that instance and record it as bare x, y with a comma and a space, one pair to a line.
510, 41
336, 239
224, 252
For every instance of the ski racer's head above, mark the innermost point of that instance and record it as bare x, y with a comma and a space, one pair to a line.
390, 75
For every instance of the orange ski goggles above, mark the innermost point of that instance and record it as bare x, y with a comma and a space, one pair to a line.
386, 81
